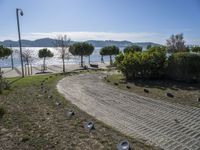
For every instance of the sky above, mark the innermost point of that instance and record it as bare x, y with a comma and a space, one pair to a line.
80, 20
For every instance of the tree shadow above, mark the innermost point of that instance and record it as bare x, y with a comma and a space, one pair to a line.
11, 82
166, 84
8, 71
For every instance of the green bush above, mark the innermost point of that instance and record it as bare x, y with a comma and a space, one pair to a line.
148, 65
196, 49
184, 66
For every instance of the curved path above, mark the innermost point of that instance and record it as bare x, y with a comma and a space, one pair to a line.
137, 116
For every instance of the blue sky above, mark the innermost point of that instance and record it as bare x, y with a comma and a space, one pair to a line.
133, 20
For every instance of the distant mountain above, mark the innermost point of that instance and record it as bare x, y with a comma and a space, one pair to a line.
47, 42
109, 42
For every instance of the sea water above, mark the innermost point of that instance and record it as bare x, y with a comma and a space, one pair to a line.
55, 60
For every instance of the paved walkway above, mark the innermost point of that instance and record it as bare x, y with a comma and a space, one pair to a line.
16, 72
170, 126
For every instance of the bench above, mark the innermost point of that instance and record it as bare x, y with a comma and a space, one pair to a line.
94, 65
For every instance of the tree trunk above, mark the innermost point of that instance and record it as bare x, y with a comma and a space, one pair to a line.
1, 84
102, 61
12, 61
63, 59
111, 60
89, 59
81, 60
44, 64
28, 68
0, 73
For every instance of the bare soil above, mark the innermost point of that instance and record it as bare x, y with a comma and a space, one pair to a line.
34, 121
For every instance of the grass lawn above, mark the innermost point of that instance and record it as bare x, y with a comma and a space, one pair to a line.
184, 93
34, 121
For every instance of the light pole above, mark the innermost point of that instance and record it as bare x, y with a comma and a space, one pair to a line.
20, 44
12, 64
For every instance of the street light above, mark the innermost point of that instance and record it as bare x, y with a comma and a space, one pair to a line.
20, 44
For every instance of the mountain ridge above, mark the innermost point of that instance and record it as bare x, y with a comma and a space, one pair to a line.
48, 42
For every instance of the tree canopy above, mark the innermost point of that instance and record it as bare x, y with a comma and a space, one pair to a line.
81, 49
45, 53
109, 50
4, 52
133, 48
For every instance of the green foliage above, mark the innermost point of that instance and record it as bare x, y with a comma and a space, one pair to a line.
81, 49
4, 52
133, 48
148, 65
109, 51
119, 59
149, 46
184, 66
45, 53
196, 49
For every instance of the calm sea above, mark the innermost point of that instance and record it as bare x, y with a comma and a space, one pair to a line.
56, 60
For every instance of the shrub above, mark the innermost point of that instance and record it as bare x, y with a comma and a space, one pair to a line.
148, 65
184, 66
196, 49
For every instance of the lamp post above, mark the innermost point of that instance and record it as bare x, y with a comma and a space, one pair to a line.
12, 64
20, 44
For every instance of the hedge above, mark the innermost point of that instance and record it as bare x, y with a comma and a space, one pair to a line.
153, 64
184, 66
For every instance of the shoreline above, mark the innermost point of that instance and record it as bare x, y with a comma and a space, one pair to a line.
16, 71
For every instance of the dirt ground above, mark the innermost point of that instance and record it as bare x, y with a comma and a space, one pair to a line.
183, 93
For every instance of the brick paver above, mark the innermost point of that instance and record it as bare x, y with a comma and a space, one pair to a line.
134, 115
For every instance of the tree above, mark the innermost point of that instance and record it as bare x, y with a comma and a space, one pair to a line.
27, 58
109, 51
133, 48
43, 53
176, 43
196, 49
81, 49
63, 43
102, 60
4, 53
